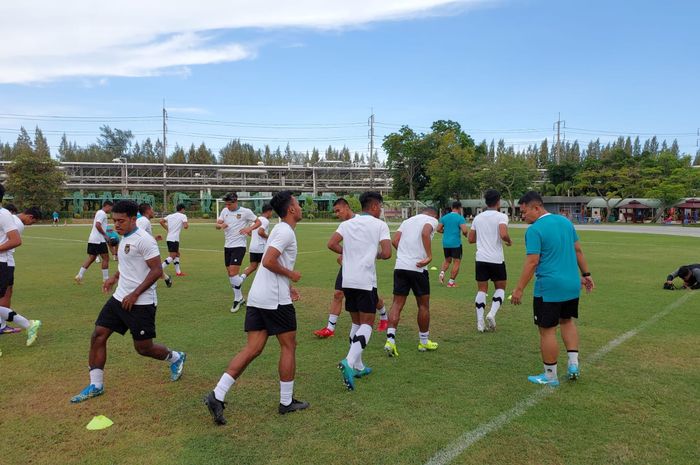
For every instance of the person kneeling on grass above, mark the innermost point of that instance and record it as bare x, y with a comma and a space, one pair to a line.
690, 274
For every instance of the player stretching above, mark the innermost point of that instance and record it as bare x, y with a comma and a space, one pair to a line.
236, 223
270, 312
144, 222
413, 253
173, 224
489, 231
342, 210
451, 226
133, 305
97, 243
361, 236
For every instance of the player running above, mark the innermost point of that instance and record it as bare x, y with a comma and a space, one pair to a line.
489, 231
174, 224
143, 222
412, 242
237, 223
97, 243
342, 210
270, 312
133, 305
451, 226
361, 236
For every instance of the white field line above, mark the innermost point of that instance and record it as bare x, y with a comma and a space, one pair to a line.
468, 438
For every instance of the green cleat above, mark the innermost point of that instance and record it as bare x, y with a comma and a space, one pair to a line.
430, 345
390, 349
347, 374
32, 331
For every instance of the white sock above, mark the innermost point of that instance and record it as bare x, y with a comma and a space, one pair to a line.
496, 301
2, 323
550, 371
391, 335
177, 265
353, 331
97, 377
237, 294
172, 357
359, 343
286, 391
359, 365
10, 315
423, 337
480, 303
223, 386
243, 276
573, 357
332, 320
82, 271
382, 314
105, 275
167, 262
236, 281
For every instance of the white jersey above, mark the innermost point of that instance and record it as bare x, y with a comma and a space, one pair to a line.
11, 252
236, 220
95, 236
270, 290
489, 247
361, 236
411, 249
175, 221
144, 224
7, 224
257, 242
134, 249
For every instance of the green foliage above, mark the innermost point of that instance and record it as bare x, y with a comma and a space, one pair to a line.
512, 175
451, 168
34, 178
354, 203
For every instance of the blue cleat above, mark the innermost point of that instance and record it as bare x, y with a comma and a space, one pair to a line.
87, 393
348, 374
542, 379
363, 372
176, 368
573, 372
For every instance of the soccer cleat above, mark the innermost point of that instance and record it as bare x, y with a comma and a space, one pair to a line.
441, 277
237, 304
293, 407
542, 379
363, 372
348, 374
216, 408
573, 372
324, 333
390, 349
32, 331
177, 367
9, 330
430, 345
78, 279
87, 393
98, 259
490, 323
451, 284
480, 326
383, 325
180, 274
168, 280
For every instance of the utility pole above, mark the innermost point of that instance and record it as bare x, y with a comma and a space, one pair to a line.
371, 150
557, 125
165, 158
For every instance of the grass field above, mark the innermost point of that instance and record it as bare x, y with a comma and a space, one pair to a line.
636, 404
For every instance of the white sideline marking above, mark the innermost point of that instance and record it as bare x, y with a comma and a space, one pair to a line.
468, 438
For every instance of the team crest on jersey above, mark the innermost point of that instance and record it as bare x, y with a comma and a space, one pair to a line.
127, 247
238, 216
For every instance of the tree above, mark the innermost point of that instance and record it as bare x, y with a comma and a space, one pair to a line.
202, 156
115, 142
696, 160
178, 155
451, 169
512, 175
407, 159
34, 179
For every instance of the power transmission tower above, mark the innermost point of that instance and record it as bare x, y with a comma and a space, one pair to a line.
557, 150
371, 150
165, 158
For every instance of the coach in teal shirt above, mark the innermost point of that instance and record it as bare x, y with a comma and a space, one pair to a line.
555, 257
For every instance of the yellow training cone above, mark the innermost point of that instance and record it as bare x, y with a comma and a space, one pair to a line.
99, 422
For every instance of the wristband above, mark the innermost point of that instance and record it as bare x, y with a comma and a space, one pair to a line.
586, 274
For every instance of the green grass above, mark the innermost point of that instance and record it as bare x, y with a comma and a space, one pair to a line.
638, 404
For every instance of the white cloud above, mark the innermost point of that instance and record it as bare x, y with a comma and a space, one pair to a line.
45, 40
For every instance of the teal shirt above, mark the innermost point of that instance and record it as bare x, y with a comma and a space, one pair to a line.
552, 237
452, 234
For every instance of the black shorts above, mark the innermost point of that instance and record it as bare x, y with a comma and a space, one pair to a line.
233, 256
7, 277
140, 320
97, 249
453, 252
339, 280
486, 271
360, 300
415, 281
279, 321
547, 314
173, 246
255, 257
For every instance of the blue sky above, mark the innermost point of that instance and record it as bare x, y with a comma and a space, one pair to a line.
502, 69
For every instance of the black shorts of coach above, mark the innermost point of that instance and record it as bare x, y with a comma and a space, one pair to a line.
361, 300
233, 256
140, 320
486, 271
283, 319
453, 252
173, 246
7, 277
406, 281
548, 314
339, 280
97, 249
255, 257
